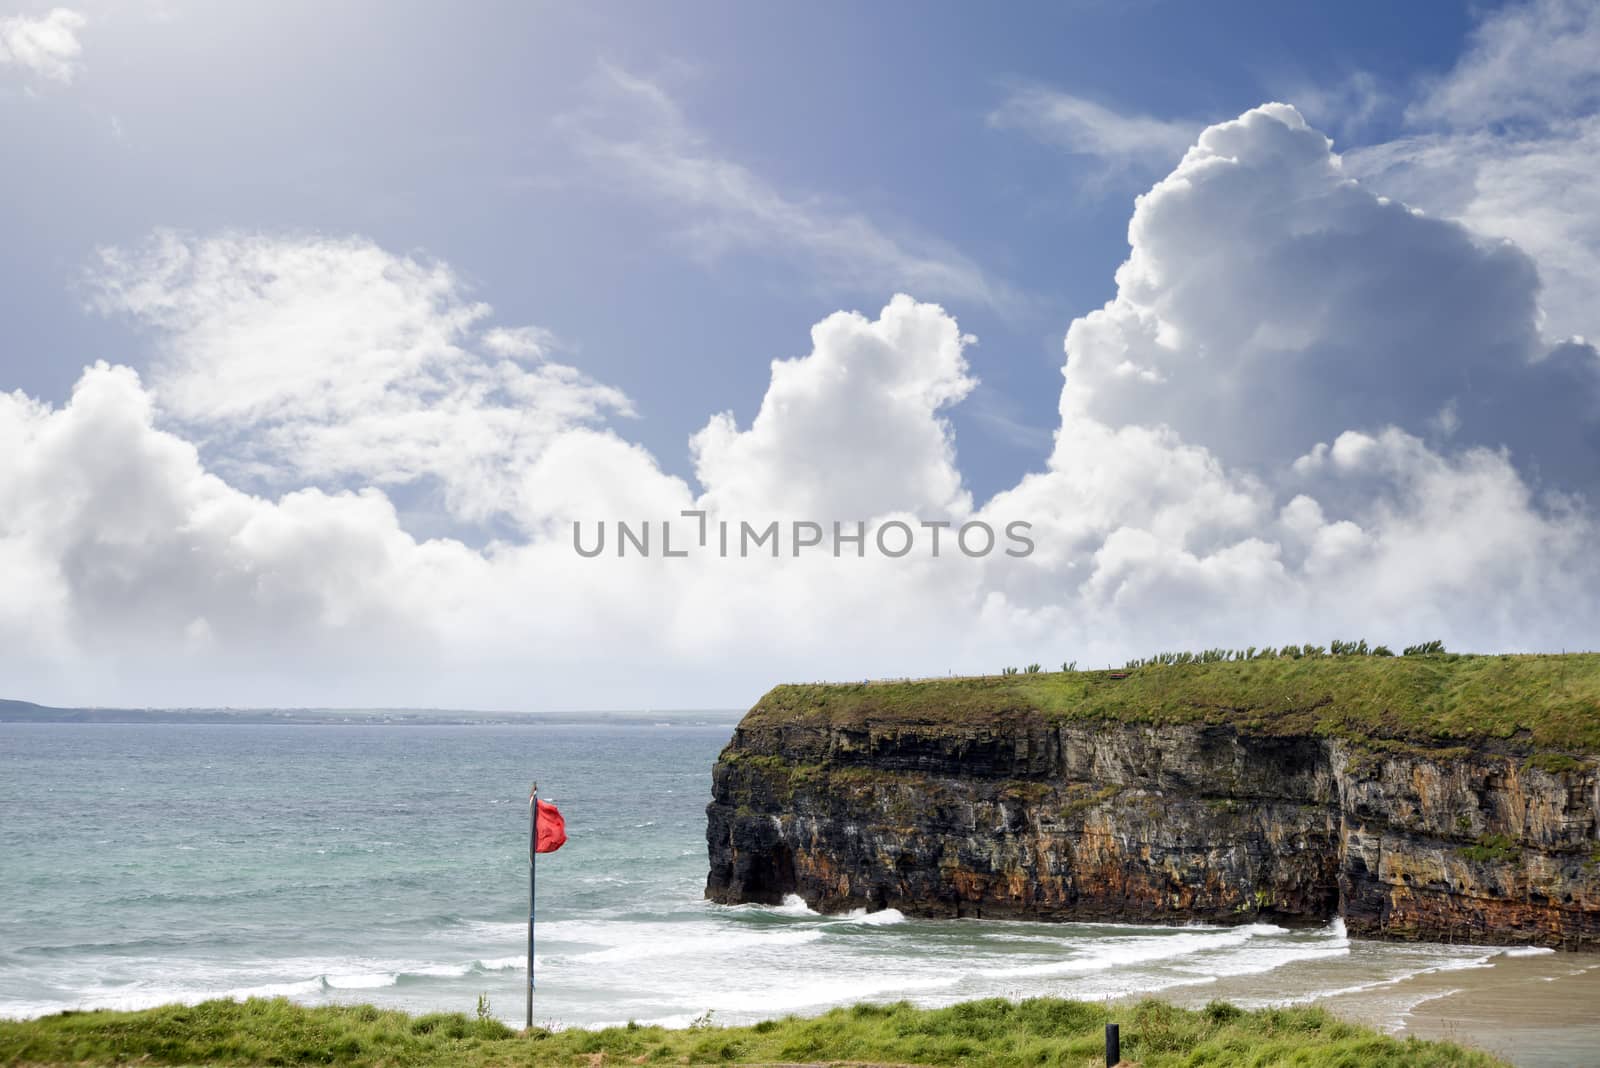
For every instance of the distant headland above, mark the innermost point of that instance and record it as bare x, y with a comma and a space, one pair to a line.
12, 711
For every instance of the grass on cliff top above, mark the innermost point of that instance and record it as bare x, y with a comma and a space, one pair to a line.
1541, 701
1043, 1031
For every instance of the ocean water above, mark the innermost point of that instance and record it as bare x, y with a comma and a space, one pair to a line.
144, 864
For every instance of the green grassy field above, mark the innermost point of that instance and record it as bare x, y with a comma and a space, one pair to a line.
1540, 703
1042, 1031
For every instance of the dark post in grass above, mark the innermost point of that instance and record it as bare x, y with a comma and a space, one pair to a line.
1113, 1045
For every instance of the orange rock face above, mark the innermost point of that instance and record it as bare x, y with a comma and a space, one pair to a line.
1160, 824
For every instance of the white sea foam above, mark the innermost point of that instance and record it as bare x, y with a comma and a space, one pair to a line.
1120, 952
1258, 961
501, 964
441, 971
700, 943
1100, 986
302, 988
1525, 951
1431, 967
1437, 995
795, 905
834, 990
792, 905
496, 930
140, 983
362, 981
19, 1009
880, 918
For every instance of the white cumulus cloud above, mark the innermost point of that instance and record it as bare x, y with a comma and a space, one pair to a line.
852, 430
325, 359
45, 46
1270, 302
136, 564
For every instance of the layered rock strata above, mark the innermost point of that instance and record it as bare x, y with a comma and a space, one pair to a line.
1034, 819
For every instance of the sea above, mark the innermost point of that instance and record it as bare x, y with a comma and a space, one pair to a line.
148, 863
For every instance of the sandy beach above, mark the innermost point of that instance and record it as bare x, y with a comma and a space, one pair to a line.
1535, 1011
1535, 1008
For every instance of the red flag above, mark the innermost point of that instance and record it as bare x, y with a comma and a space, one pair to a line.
552, 829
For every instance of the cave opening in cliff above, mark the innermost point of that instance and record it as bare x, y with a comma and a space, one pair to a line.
780, 876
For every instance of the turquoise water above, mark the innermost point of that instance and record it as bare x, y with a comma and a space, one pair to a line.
142, 864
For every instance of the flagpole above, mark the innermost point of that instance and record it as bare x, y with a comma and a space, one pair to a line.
533, 852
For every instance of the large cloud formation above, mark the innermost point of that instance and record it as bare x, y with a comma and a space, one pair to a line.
1271, 302
1308, 411
1310, 407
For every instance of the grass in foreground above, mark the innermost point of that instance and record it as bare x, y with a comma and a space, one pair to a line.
1541, 702
1043, 1031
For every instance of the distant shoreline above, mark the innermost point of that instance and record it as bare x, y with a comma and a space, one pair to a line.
27, 712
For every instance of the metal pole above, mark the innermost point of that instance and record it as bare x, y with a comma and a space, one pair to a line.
1113, 1045
533, 851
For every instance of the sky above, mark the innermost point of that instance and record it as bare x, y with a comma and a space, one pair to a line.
323, 327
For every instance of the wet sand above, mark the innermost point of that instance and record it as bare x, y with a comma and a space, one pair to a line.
1532, 1008
1534, 1011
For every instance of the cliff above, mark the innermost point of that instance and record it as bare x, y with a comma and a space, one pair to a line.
1442, 798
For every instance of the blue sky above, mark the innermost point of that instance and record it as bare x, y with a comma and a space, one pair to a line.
386, 297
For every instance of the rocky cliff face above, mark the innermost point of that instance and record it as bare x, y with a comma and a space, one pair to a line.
1131, 822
